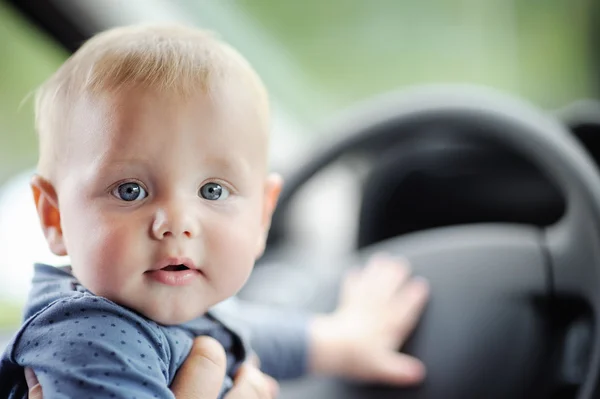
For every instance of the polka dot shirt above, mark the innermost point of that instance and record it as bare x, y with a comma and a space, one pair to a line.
84, 346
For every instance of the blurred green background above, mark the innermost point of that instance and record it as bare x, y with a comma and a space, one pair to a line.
28, 58
352, 49
348, 50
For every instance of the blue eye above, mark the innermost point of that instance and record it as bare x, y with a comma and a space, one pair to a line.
130, 192
213, 192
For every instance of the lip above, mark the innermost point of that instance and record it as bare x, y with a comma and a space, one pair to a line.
187, 262
175, 277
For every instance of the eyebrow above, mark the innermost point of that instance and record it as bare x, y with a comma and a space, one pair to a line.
116, 165
235, 166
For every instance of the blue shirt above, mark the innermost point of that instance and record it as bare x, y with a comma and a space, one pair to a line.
81, 345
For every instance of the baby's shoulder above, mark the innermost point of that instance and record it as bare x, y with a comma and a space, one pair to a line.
87, 319
94, 312
70, 334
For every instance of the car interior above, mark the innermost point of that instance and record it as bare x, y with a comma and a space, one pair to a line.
494, 200
426, 190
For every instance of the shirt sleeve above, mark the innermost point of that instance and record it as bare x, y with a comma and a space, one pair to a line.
278, 336
89, 347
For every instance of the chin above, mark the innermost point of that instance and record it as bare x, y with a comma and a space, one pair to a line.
176, 317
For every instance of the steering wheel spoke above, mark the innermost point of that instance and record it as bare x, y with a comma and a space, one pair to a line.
573, 246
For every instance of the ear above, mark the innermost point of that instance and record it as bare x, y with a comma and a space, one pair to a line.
46, 203
273, 185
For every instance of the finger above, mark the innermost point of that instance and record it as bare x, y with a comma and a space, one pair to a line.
272, 385
35, 389
397, 369
408, 307
391, 267
383, 277
201, 375
250, 383
350, 284
254, 360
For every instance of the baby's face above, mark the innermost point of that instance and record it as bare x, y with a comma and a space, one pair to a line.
163, 206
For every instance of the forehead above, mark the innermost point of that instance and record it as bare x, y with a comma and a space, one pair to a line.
138, 122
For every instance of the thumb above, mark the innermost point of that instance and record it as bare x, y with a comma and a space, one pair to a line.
35, 389
201, 375
252, 383
398, 369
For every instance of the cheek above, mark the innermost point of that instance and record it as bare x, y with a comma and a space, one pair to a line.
232, 249
100, 247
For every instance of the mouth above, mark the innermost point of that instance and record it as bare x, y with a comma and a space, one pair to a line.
175, 264
175, 271
175, 268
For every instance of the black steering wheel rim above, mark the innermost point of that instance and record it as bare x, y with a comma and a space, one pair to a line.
518, 125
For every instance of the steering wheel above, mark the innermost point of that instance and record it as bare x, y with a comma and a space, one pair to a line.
513, 308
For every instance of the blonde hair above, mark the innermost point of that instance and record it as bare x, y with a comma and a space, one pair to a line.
169, 58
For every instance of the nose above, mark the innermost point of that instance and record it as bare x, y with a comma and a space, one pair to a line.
175, 223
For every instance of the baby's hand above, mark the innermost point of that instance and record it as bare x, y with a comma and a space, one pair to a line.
378, 309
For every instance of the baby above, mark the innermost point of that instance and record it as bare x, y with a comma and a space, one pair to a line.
153, 178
